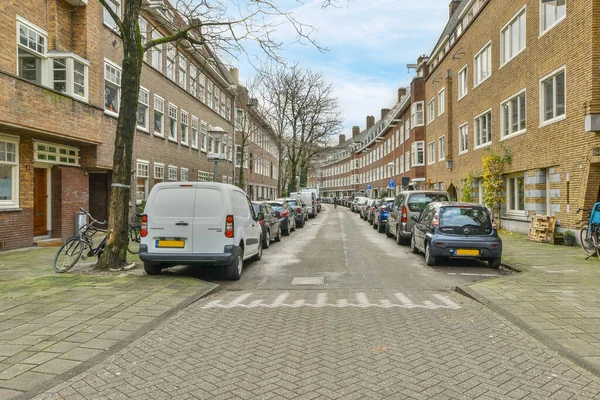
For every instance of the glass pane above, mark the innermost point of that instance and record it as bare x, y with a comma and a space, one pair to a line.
514, 106
29, 67
522, 32
549, 6
60, 87
6, 182
521, 193
141, 115
111, 98
511, 196
548, 100
560, 94
522, 112
514, 38
561, 9
157, 122
10, 147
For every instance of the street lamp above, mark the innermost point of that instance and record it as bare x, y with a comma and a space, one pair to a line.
217, 134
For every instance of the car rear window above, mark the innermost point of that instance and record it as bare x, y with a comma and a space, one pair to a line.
389, 204
464, 220
291, 203
417, 202
277, 207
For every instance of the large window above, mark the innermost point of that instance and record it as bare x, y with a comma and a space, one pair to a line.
416, 114
69, 76
157, 52
184, 174
482, 65
183, 65
114, 5
194, 132
418, 154
32, 45
203, 135
442, 148
463, 138
514, 116
483, 129
407, 161
142, 185
463, 82
185, 124
172, 122
513, 37
193, 88
202, 87
142, 110
431, 110
9, 172
172, 173
112, 87
159, 171
171, 55
515, 194
431, 152
552, 96
441, 101
159, 116
551, 13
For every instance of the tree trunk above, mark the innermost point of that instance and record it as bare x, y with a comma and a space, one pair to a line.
115, 252
293, 172
241, 176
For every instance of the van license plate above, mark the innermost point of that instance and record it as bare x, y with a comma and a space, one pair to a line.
179, 244
467, 252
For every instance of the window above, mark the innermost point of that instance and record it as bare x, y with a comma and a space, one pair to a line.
193, 88
205, 176
9, 171
159, 171
513, 37
463, 138
463, 82
442, 148
112, 87
431, 111
552, 12
142, 110
172, 122
407, 161
201, 87
552, 96
55, 154
239, 120
194, 132
32, 44
157, 52
483, 129
515, 194
143, 29
416, 114
184, 127
514, 116
183, 64
172, 173
142, 185
203, 135
184, 174
211, 142
238, 156
441, 101
482, 65
418, 156
69, 76
431, 152
209, 93
114, 5
159, 116
171, 55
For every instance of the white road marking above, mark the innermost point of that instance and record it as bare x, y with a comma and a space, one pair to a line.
361, 298
470, 274
447, 301
406, 302
321, 300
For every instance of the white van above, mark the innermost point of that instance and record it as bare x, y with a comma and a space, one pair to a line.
316, 193
199, 223
310, 200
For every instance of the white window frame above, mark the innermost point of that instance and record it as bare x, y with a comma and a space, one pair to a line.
431, 152
195, 131
504, 123
462, 146
441, 101
407, 161
478, 131
431, 111
185, 127
142, 172
511, 194
113, 79
159, 107
172, 170
481, 61
204, 176
117, 9
144, 94
414, 149
442, 148
203, 136
463, 82
32, 48
70, 59
172, 133
182, 72
552, 75
508, 29
171, 61
14, 173
193, 86
417, 116
551, 26
159, 171
185, 174
157, 52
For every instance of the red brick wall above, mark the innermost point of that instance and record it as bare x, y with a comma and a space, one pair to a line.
70, 190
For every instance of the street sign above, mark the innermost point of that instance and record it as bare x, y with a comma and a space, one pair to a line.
392, 184
217, 157
369, 187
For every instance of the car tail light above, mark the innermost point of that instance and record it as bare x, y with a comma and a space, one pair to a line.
436, 221
299, 210
260, 222
439, 244
383, 208
283, 214
404, 214
494, 245
144, 226
229, 226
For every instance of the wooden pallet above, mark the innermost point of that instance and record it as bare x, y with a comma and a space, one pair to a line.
541, 228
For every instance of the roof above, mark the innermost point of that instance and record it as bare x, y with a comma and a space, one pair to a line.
451, 25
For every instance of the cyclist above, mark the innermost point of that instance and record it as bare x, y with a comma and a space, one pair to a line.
335, 201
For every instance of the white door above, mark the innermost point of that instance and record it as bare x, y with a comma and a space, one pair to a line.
209, 221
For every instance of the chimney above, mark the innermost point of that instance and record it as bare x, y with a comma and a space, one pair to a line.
453, 6
370, 121
235, 73
384, 112
355, 131
401, 93
342, 139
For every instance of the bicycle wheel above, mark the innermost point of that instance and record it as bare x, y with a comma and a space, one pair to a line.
133, 236
587, 242
68, 255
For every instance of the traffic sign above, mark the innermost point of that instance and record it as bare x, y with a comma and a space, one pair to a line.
392, 184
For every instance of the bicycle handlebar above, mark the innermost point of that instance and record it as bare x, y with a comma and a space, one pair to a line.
92, 218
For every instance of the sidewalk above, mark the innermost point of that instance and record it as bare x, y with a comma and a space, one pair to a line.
556, 299
53, 326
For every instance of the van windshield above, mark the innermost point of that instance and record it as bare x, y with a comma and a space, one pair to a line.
465, 220
417, 202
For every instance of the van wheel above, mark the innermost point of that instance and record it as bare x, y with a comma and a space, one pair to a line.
387, 231
278, 237
413, 246
258, 254
267, 241
234, 268
398, 236
429, 259
152, 269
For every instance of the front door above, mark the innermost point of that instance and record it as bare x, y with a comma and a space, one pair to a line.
40, 202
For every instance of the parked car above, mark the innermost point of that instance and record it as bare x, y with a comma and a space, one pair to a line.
371, 210
408, 204
271, 228
457, 230
358, 203
287, 217
199, 224
301, 213
365, 208
380, 215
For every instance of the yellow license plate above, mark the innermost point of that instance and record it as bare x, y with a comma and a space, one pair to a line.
467, 252
179, 244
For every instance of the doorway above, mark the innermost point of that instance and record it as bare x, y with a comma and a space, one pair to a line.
40, 201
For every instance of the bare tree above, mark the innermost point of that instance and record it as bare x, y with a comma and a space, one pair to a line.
209, 26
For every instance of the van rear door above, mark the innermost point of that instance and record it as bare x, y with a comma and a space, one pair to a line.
170, 219
209, 221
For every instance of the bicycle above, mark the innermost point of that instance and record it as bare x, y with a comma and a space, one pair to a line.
73, 249
589, 235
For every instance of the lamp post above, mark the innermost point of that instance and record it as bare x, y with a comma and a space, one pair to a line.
217, 134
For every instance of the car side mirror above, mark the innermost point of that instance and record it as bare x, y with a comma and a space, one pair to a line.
414, 218
260, 216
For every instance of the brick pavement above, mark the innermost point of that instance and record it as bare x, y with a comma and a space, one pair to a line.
556, 298
53, 326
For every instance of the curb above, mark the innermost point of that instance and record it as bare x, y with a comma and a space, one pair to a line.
211, 288
543, 338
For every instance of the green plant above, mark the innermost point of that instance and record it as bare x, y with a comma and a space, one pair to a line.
467, 188
569, 233
493, 179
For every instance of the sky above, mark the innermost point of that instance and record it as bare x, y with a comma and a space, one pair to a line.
369, 44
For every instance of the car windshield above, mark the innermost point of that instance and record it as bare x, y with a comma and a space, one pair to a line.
277, 207
292, 203
465, 220
417, 202
256, 208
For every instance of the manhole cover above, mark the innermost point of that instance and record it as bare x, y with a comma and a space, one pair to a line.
318, 280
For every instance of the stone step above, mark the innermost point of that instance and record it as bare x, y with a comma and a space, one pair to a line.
54, 242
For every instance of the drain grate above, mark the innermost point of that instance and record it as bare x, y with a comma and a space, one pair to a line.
315, 280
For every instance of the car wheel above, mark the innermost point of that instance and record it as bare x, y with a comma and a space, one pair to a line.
372, 221
293, 228
380, 228
234, 268
398, 236
258, 254
267, 240
278, 237
495, 263
301, 224
152, 269
429, 259
387, 231
413, 245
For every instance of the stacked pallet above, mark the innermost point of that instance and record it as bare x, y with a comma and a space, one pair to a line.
542, 228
